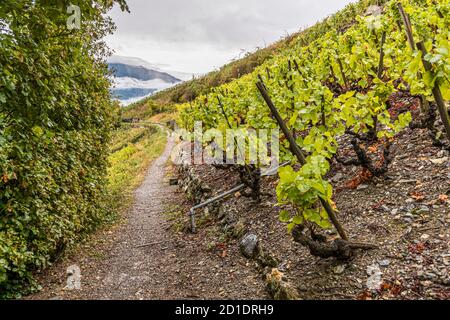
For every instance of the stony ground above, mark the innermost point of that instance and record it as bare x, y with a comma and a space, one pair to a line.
406, 213
144, 259
152, 254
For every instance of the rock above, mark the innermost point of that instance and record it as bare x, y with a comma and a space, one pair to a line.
394, 211
238, 229
446, 259
374, 10
424, 237
426, 283
249, 246
279, 288
339, 269
384, 263
362, 187
337, 177
409, 218
440, 160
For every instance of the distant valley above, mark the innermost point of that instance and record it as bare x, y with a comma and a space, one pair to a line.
135, 78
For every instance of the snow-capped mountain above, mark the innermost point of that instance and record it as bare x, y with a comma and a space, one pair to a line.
135, 78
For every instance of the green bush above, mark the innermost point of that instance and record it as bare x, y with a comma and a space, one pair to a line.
56, 116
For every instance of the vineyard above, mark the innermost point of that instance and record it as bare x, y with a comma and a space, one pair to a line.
341, 88
99, 201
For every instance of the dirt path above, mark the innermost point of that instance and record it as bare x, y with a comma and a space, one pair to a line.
144, 259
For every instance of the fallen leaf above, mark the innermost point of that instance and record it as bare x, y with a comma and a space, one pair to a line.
366, 295
417, 248
372, 149
417, 196
363, 176
443, 198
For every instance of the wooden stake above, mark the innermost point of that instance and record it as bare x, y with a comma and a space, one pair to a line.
424, 106
291, 87
436, 92
381, 63
299, 155
341, 69
408, 26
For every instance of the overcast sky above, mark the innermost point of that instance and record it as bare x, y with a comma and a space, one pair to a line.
200, 35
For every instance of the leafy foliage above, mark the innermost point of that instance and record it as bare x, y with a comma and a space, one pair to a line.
55, 121
329, 83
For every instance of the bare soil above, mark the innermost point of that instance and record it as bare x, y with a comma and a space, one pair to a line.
142, 258
406, 213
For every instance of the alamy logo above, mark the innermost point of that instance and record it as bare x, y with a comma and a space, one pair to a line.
74, 20
231, 146
73, 278
374, 281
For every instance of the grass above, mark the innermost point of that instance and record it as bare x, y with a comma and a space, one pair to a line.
133, 149
176, 216
164, 117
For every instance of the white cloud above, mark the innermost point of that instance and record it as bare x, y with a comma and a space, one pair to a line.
199, 35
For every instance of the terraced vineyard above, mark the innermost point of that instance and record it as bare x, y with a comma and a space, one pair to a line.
346, 82
103, 202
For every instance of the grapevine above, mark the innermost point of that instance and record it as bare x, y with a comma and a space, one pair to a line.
340, 83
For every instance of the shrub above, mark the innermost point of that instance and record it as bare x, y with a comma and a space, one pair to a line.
56, 116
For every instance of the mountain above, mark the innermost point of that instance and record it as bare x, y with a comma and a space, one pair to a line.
135, 78
140, 73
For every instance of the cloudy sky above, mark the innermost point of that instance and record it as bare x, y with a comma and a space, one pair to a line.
200, 35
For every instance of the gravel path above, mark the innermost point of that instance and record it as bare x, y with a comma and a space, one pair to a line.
132, 271
144, 259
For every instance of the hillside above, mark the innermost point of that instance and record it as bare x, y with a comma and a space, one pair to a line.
344, 103
189, 90
135, 78
314, 169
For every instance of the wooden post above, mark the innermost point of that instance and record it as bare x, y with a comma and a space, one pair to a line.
299, 155
224, 113
268, 73
424, 106
341, 69
381, 62
436, 92
241, 153
408, 26
291, 87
